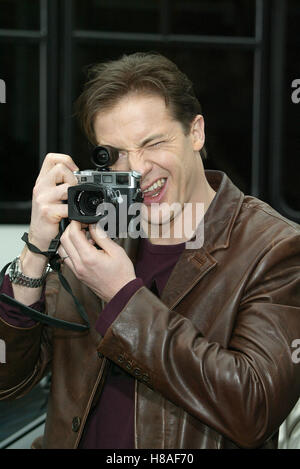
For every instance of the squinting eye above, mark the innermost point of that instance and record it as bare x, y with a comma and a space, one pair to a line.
122, 154
156, 144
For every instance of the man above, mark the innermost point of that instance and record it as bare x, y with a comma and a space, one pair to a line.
188, 348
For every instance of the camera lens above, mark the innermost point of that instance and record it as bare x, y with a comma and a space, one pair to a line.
88, 201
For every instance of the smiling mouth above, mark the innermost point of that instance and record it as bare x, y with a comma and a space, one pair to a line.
155, 188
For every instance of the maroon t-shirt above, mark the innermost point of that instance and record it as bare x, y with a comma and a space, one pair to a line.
110, 424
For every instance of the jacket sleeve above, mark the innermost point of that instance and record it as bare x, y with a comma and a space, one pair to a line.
26, 351
244, 391
11, 314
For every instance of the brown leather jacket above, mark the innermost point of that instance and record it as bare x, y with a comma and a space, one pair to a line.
212, 358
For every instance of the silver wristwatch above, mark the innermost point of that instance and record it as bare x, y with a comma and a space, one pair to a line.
17, 277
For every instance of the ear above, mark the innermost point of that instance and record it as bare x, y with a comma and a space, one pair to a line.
197, 132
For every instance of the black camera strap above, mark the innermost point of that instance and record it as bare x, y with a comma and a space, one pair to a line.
55, 264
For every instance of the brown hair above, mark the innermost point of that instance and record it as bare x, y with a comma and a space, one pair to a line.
147, 72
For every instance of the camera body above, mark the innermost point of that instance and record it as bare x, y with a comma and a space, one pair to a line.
102, 189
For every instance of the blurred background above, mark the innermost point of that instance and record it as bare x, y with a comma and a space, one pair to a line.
242, 56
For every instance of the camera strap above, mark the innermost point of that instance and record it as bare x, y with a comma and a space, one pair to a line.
55, 264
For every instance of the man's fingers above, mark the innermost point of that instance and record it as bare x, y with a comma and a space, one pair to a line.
76, 244
56, 212
77, 236
102, 239
52, 159
54, 194
59, 174
84, 246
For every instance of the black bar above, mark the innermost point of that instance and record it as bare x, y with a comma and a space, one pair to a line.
170, 39
15, 213
18, 205
66, 78
16, 35
164, 18
278, 48
43, 82
52, 74
259, 102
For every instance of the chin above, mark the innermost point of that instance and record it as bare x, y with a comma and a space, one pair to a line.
159, 216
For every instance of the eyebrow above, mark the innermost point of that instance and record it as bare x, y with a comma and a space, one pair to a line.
150, 139
143, 143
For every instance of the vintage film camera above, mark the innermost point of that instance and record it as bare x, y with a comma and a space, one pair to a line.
99, 188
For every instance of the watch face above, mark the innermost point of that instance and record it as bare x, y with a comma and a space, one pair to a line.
14, 269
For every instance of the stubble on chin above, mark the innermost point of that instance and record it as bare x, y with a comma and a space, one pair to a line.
159, 223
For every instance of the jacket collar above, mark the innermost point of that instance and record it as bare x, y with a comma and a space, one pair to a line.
220, 216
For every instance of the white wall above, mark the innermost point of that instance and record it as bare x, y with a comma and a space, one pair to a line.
11, 244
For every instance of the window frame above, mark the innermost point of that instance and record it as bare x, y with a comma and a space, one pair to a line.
57, 38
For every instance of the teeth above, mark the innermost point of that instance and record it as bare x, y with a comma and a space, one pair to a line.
157, 184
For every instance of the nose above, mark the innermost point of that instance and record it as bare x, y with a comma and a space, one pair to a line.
138, 163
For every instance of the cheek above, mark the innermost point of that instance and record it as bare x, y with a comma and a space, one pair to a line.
171, 166
168, 163
178, 178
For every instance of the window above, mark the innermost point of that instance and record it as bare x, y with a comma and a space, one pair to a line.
241, 55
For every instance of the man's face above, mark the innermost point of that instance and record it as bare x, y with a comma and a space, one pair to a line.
151, 142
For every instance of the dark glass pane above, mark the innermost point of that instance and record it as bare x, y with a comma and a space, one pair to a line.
117, 15
19, 121
223, 84
218, 17
291, 136
19, 14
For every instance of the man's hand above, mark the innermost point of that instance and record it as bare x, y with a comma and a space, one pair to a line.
50, 189
104, 271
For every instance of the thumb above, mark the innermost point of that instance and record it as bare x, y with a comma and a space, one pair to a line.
101, 238
97, 232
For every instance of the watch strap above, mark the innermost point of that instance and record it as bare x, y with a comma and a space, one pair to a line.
17, 277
